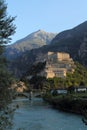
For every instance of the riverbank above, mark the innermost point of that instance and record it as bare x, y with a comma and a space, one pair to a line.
68, 103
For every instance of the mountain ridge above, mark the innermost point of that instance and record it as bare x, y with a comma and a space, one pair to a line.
34, 40
35, 34
71, 32
73, 41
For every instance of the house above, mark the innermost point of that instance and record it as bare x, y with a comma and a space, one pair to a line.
21, 87
81, 89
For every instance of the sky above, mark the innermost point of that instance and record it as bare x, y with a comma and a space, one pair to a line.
48, 15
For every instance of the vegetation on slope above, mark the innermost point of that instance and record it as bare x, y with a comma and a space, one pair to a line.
78, 78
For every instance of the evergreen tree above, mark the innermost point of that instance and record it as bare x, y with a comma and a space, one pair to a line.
7, 28
6, 24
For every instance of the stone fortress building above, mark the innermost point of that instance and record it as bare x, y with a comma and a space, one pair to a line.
58, 64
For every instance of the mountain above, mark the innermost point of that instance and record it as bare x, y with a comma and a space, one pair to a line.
76, 32
73, 41
32, 41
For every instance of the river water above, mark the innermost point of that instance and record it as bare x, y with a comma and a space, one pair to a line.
39, 115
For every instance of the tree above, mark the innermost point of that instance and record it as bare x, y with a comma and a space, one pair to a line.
6, 25
7, 28
58, 82
71, 89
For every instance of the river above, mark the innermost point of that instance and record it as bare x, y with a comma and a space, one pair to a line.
39, 115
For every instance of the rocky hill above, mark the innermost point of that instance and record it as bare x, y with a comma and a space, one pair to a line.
73, 41
32, 41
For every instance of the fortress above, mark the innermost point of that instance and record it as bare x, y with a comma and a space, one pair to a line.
58, 64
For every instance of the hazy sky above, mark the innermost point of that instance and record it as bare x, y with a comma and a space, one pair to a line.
48, 15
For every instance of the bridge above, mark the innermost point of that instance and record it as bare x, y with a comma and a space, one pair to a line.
25, 94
